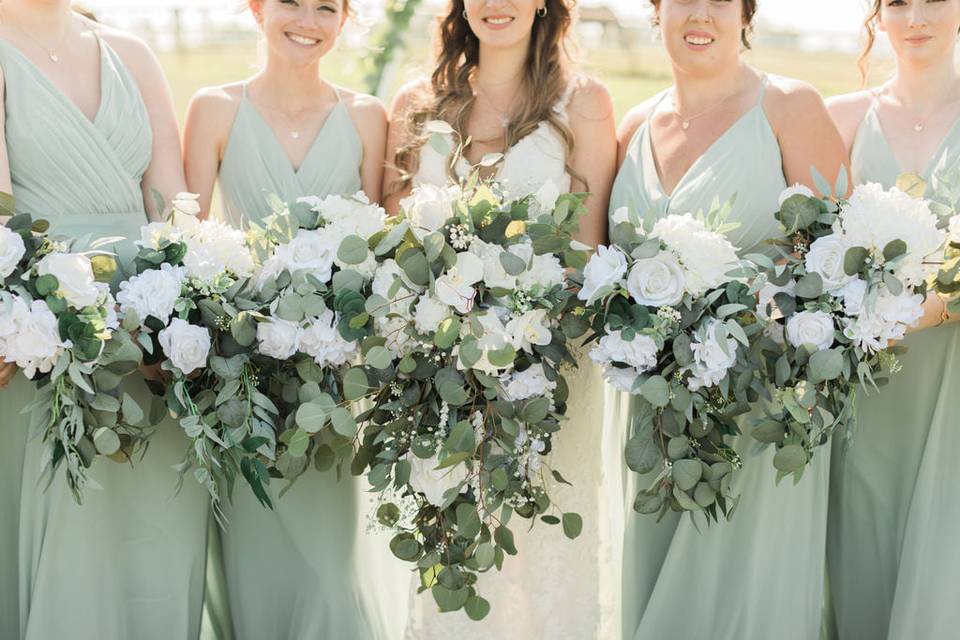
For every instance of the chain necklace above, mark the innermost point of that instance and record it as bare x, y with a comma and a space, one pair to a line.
919, 126
685, 121
51, 53
505, 115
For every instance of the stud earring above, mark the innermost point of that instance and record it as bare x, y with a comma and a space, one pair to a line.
542, 11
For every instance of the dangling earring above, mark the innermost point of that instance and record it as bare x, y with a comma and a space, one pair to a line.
542, 11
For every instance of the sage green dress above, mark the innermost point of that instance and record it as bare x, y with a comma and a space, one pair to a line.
760, 575
306, 569
129, 562
893, 557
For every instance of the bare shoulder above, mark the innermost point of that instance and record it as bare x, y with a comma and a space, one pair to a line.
636, 117
364, 108
849, 109
135, 53
789, 95
590, 100
217, 102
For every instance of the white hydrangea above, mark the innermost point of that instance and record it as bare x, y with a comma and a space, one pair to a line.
543, 272
278, 338
429, 313
152, 293
620, 378
874, 217
641, 353
529, 383
425, 478
322, 341
29, 336
885, 321
706, 256
214, 248
349, 216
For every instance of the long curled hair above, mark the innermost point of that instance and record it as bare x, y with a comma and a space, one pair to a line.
547, 74
870, 38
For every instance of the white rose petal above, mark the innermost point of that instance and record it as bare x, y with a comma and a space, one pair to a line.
712, 359
12, 250
526, 384
811, 328
322, 342
826, 258
187, 346
74, 272
797, 189
529, 329
278, 338
455, 287
606, 268
657, 282
152, 293
429, 207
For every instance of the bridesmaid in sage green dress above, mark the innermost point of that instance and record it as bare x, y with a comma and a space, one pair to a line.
723, 129
306, 569
892, 552
88, 130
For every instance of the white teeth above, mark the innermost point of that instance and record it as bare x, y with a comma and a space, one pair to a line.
302, 40
698, 40
499, 20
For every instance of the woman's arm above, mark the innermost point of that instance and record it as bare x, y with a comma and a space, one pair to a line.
165, 173
807, 135
7, 369
370, 118
205, 132
594, 159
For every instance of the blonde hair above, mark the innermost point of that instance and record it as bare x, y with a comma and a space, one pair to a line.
546, 78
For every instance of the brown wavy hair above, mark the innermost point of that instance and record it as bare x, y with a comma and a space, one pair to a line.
547, 75
870, 37
749, 11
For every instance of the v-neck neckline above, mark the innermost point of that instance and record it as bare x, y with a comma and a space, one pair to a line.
934, 159
655, 165
464, 164
279, 145
57, 91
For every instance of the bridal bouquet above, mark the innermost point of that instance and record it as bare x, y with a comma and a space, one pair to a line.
673, 327
948, 278
313, 289
58, 324
473, 316
853, 282
191, 309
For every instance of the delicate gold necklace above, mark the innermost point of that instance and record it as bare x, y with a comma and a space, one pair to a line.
919, 126
685, 121
51, 53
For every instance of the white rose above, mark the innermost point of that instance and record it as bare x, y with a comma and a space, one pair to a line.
152, 293
711, 358
33, 337
529, 329
657, 282
905, 309
323, 342
278, 338
606, 268
428, 208
526, 384
425, 478
311, 251
187, 203
186, 345
811, 328
74, 272
455, 287
797, 189
12, 249
429, 313
825, 257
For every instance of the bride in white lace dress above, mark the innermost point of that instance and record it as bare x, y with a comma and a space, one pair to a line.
504, 82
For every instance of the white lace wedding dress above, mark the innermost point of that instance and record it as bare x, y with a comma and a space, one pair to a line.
554, 587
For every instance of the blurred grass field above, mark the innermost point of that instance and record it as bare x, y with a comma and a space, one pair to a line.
631, 75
